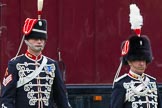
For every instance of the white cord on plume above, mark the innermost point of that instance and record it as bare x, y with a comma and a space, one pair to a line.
136, 19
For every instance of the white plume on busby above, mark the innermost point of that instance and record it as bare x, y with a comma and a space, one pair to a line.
135, 19
34, 28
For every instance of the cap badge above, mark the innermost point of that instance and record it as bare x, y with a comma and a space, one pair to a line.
141, 43
40, 23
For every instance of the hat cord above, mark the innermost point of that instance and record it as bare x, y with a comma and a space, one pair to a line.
117, 72
21, 43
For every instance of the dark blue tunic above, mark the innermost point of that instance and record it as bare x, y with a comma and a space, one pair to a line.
43, 91
129, 92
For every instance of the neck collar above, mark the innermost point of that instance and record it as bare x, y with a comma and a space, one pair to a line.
136, 76
33, 57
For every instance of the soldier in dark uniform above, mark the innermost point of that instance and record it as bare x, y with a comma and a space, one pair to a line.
136, 89
33, 80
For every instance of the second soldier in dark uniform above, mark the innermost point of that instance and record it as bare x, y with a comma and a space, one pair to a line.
136, 89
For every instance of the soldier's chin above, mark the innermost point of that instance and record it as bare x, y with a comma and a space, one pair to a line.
38, 49
141, 69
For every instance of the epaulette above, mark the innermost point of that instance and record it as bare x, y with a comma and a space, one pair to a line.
121, 77
151, 77
14, 58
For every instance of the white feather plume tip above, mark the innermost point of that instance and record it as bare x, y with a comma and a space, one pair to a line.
136, 19
40, 5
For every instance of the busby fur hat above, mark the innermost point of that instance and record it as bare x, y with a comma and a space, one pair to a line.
35, 29
136, 48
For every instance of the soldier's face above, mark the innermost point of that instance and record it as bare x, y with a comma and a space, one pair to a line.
138, 66
36, 45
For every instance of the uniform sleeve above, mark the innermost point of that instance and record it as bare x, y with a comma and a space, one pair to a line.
159, 99
8, 91
117, 96
60, 92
